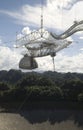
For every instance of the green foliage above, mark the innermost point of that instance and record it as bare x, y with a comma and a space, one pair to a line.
71, 89
3, 86
44, 93
33, 80
47, 86
80, 97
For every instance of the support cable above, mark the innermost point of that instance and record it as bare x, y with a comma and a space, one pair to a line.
53, 63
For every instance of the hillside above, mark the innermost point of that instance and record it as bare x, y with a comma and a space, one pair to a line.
48, 89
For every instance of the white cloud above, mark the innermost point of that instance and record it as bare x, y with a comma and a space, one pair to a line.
26, 30
63, 4
8, 58
81, 49
63, 63
81, 37
19, 36
0, 41
54, 17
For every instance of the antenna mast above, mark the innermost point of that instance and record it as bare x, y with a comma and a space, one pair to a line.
41, 18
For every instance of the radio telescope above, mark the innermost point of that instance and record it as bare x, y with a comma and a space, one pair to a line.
42, 43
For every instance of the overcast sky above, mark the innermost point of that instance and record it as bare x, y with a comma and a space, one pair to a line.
22, 16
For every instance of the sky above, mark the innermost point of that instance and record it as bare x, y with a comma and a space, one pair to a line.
20, 17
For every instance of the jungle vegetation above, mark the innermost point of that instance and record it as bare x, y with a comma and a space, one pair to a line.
16, 86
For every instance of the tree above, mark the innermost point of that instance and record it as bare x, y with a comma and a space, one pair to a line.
4, 86
80, 97
72, 88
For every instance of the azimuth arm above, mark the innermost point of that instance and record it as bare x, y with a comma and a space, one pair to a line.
77, 26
